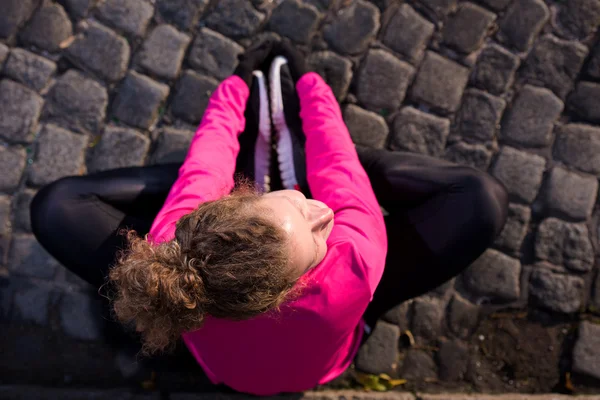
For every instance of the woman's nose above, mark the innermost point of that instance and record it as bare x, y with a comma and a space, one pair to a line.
319, 217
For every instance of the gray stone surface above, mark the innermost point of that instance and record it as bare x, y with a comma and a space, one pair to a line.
382, 81
100, 51
418, 365
520, 172
585, 101
440, 83
463, 317
407, 33
496, 5
235, 18
78, 8
494, 275
366, 127
428, 314
163, 50
27, 257
172, 146
119, 147
479, 115
48, 28
578, 19
12, 163
419, 132
77, 103
20, 109
564, 244
295, 20
474, 155
335, 70
60, 153
530, 120
595, 299
438, 8
21, 210
400, 315
466, 28
192, 96
513, 233
80, 316
495, 69
214, 54
578, 145
586, 354
29, 69
4, 216
522, 22
183, 14
593, 66
554, 63
138, 100
4, 52
14, 14
453, 359
354, 28
379, 353
570, 194
31, 303
128, 16
554, 291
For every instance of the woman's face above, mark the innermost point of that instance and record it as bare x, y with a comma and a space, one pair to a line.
308, 224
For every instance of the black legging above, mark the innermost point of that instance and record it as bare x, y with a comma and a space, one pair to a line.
442, 216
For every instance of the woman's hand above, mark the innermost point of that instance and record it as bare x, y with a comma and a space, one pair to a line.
296, 61
253, 58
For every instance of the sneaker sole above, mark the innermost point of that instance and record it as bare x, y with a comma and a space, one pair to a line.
262, 148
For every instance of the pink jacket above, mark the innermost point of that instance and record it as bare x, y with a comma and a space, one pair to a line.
315, 337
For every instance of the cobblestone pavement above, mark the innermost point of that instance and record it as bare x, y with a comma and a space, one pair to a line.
507, 86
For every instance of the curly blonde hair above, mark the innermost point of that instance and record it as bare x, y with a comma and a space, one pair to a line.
227, 260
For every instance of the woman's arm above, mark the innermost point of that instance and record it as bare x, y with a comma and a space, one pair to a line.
207, 172
336, 177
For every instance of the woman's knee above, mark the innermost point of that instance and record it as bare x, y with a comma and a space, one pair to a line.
50, 204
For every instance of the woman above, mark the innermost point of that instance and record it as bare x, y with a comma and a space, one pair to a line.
271, 292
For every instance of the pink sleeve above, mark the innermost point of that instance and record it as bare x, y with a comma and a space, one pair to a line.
336, 177
207, 172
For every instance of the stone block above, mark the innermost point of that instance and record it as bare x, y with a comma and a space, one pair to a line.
593, 65
78, 8
27, 257
440, 83
495, 69
4, 217
473, 155
437, 8
100, 51
428, 314
119, 148
479, 115
192, 96
586, 354
554, 63
128, 16
555, 291
418, 365
578, 19
514, 231
400, 315
31, 303
354, 28
138, 100
48, 28
163, 51
235, 18
463, 317
382, 81
80, 316
14, 14
172, 146
295, 20
522, 22
570, 194
578, 145
335, 70
466, 28
12, 164
60, 153
19, 111
183, 14
419, 132
379, 353
366, 128
595, 299
453, 359
496, 5
4, 52
77, 103
29, 69
585, 101
564, 244
530, 121
21, 210
494, 275
520, 172
408, 33
214, 54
